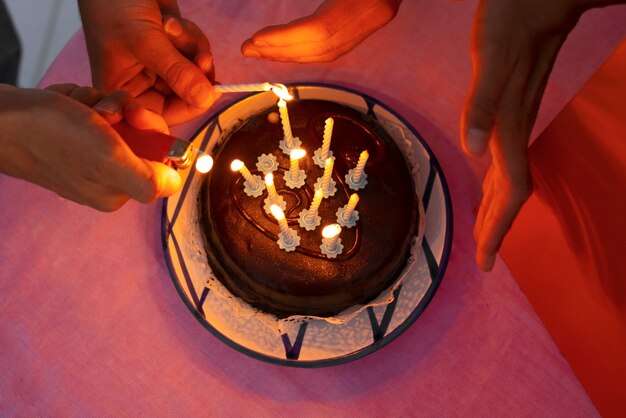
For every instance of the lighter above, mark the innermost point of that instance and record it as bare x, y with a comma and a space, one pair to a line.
161, 147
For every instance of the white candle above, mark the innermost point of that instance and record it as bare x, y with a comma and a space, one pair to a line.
360, 166
280, 217
233, 88
328, 172
288, 239
315, 205
271, 189
328, 133
284, 118
331, 237
204, 163
294, 165
347, 214
238, 165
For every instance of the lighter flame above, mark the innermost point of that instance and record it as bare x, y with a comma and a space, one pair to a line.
236, 165
277, 212
297, 153
204, 163
331, 231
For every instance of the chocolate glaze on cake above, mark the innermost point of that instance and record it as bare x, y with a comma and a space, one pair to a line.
241, 237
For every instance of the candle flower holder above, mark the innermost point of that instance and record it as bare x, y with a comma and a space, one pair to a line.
356, 178
253, 185
267, 163
326, 182
331, 245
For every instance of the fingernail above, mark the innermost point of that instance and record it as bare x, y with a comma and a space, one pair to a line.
260, 43
201, 94
173, 27
251, 53
206, 63
110, 108
477, 140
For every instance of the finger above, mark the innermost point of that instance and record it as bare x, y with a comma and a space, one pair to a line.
492, 67
141, 82
144, 180
65, 89
190, 40
111, 106
502, 211
152, 100
161, 87
185, 79
485, 202
177, 111
141, 118
87, 95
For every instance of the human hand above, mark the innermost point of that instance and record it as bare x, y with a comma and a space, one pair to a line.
146, 48
58, 142
514, 46
332, 30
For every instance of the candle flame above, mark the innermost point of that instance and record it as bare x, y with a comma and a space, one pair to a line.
277, 212
281, 91
236, 165
331, 231
204, 163
269, 179
297, 153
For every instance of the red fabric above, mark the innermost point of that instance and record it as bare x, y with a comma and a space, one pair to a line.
568, 247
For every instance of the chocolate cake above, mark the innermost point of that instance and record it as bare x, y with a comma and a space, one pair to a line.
241, 238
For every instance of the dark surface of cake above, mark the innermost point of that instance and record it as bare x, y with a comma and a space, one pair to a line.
241, 237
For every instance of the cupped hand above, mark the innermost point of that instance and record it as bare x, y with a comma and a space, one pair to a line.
333, 29
146, 48
54, 139
514, 46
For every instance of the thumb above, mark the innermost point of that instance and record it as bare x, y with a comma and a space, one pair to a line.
182, 76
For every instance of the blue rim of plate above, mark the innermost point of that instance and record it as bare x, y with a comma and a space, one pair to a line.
437, 270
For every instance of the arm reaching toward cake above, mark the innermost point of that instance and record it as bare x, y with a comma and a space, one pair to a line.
55, 139
514, 46
146, 48
332, 30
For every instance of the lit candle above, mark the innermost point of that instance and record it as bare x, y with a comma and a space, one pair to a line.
284, 118
356, 177
271, 189
347, 216
233, 88
280, 217
204, 163
331, 243
253, 186
238, 165
272, 196
294, 166
288, 239
309, 219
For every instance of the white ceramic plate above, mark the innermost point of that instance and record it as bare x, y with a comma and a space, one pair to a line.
316, 343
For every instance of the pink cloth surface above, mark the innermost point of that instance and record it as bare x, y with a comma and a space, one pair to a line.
91, 324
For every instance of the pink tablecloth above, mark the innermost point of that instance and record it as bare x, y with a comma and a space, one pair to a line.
90, 322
